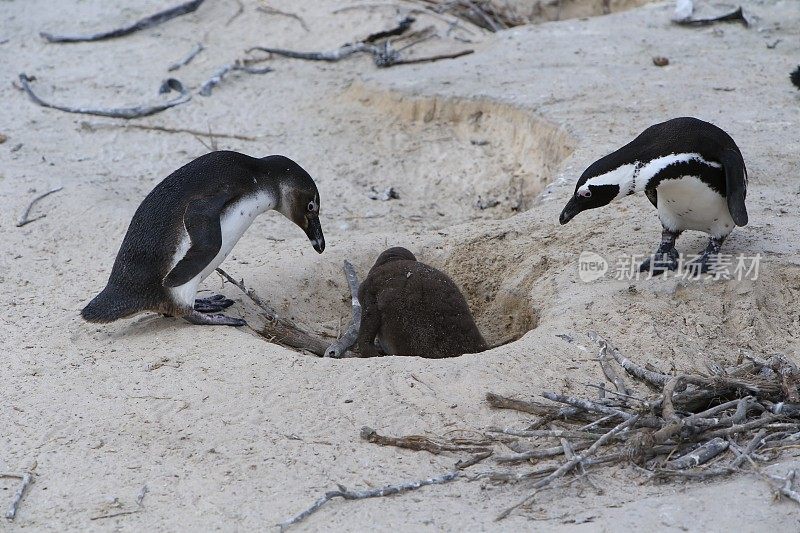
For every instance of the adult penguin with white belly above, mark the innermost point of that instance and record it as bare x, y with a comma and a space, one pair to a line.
690, 170
189, 223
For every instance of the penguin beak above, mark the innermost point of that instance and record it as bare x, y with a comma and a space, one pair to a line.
570, 210
314, 233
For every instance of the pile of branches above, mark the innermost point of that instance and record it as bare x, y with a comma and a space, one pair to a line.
690, 426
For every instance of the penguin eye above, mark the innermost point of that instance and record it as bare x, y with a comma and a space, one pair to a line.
585, 194
312, 206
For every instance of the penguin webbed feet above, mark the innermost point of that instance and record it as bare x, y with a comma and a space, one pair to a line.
708, 260
660, 261
212, 319
212, 304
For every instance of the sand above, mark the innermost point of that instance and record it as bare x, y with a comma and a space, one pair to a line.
229, 432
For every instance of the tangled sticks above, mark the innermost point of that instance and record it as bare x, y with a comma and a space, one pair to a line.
692, 426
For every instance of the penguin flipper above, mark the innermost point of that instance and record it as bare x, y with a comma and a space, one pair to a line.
201, 221
652, 195
735, 185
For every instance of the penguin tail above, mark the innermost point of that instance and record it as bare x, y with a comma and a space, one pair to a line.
110, 305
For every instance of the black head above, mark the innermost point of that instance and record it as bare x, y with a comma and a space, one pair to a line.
299, 198
599, 185
394, 254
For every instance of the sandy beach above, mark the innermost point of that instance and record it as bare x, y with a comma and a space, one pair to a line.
230, 432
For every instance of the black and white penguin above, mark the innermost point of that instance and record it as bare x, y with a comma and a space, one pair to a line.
189, 223
690, 170
411, 308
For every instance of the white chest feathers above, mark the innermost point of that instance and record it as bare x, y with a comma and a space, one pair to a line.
234, 221
687, 203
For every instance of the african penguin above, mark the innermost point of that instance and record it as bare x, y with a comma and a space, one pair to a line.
189, 223
414, 309
690, 170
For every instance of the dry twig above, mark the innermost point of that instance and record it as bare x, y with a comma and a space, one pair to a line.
23, 220
388, 490
25, 480
340, 347
277, 329
122, 112
196, 49
143, 24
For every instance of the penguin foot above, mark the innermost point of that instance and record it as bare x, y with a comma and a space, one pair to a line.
212, 304
660, 262
702, 265
202, 319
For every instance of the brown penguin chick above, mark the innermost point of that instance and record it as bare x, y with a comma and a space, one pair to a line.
414, 309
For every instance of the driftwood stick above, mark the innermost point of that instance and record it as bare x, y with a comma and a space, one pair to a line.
751, 448
23, 220
553, 433
416, 442
693, 474
753, 424
388, 490
475, 459
143, 24
272, 11
734, 16
338, 348
277, 329
539, 453
586, 405
122, 112
25, 480
400, 29
572, 463
654, 379
701, 455
428, 59
609, 372
330, 56
216, 79
91, 126
196, 49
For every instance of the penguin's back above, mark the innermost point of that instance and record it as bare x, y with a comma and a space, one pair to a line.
156, 233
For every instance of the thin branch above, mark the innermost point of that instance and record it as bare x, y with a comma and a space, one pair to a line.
130, 125
734, 16
196, 49
338, 348
699, 456
23, 220
610, 373
216, 79
388, 490
572, 463
428, 59
123, 112
654, 379
25, 480
143, 24
585, 404
277, 329
330, 56
272, 11
416, 442
239, 11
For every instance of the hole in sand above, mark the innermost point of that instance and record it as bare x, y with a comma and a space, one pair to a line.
467, 159
522, 12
